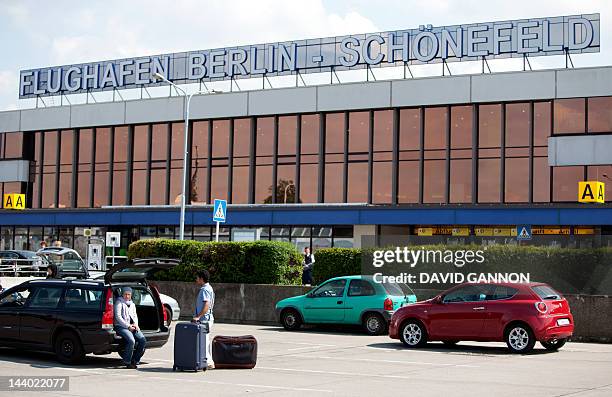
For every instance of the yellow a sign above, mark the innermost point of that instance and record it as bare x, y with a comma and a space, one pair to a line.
14, 201
591, 192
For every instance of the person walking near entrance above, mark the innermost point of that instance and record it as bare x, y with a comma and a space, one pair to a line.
307, 266
205, 302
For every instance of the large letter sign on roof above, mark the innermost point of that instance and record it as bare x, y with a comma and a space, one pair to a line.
573, 34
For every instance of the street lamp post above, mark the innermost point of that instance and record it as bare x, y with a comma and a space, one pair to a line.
187, 103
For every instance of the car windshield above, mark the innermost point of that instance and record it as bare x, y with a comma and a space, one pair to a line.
545, 292
70, 261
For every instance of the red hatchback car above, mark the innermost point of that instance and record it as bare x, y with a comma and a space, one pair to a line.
518, 314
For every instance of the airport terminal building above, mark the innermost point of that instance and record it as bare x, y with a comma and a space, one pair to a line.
456, 156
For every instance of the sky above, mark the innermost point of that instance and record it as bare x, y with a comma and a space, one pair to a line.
49, 33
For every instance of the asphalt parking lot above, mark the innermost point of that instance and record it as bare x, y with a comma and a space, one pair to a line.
338, 362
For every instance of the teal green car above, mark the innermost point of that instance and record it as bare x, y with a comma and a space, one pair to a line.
346, 300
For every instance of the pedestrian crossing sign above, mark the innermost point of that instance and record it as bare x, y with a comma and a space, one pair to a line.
523, 232
219, 210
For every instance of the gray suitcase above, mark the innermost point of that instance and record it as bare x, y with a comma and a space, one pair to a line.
190, 346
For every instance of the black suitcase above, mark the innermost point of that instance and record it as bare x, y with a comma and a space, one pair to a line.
234, 351
190, 346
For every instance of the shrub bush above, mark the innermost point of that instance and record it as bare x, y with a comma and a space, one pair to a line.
257, 262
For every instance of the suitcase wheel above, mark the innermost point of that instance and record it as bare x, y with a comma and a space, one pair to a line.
174, 368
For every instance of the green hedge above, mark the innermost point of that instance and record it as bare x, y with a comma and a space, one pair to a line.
570, 270
258, 262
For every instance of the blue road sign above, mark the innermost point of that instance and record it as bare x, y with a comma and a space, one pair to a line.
220, 210
523, 232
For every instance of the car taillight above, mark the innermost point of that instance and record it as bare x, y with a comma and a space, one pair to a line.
388, 304
165, 316
108, 316
541, 307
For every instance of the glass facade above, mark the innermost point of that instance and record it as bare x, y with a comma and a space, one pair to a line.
458, 154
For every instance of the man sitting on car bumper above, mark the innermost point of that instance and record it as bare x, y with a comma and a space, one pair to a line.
126, 326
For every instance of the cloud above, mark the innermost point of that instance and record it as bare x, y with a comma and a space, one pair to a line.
9, 86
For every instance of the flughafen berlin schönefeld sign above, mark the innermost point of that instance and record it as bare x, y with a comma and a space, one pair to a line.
527, 37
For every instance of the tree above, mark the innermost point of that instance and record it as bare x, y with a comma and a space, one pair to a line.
285, 192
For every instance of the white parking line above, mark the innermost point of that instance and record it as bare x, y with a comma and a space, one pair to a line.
372, 360
314, 371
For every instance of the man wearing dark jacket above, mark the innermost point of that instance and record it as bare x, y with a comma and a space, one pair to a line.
309, 261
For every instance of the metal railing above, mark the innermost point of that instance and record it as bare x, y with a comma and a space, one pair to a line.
23, 267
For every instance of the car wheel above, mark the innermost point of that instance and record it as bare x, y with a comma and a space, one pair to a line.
168, 315
450, 343
554, 345
413, 334
291, 320
374, 324
68, 348
520, 339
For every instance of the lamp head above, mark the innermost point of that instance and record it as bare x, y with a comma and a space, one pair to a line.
158, 76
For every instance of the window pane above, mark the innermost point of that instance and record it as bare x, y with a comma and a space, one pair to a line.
489, 126
218, 187
220, 138
263, 184
48, 196
159, 144
565, 183
381, 182
50, 148
285, 183
200, 139
119, 186
357, 183
435, 128
488, 180
408, 182
176, 185
310, 134
516, 189
461, 181
242, 137
541, 180
121, 145
158, 186
65, 190
101, 188
409, 129
286, 135
178, 142
359, 131
13, 145
569, 116
333, 189
139, 187
600, 114
334, 133
265, 136
541, 123
383, 130
434, 183
461, 127
240, 185
309, 183
517, 124
67, 145
141, 143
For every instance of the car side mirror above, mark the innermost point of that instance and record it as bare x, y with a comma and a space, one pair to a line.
438, 299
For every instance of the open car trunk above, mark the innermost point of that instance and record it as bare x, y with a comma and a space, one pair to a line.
134, 273
146, 309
